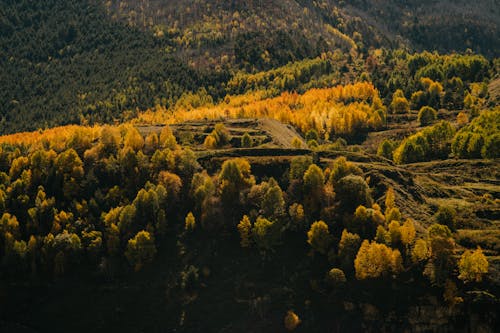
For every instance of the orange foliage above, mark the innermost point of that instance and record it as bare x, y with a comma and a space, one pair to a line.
55, 138
338, 110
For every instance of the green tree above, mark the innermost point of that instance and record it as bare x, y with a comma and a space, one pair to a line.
441, 262
341, 168
386, 149
273, 204
314, 181
446, 215
348, 248
298, 167
352, 192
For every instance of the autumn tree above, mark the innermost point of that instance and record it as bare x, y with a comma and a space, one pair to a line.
473, 266
245, 230
265, 233
167, 139
376, 260
140, 250
218, 138
319, 237
151, 143
297, 216
420, 251
109, 140
133, 139
335, 278
189, 222
69, 170
296, 143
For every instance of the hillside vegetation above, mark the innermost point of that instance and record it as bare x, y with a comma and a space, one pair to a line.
249, 166
104, 61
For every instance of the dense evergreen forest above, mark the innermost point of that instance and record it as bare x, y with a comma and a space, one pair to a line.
249, 166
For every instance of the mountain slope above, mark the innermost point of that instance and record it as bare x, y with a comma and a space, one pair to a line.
64, 61
215, 28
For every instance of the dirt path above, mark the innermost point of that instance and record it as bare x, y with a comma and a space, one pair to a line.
282, 134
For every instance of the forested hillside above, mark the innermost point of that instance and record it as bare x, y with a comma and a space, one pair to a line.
249, 166
66, 62
297, 28
90, 61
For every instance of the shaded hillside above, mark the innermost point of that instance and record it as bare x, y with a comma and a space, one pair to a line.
274, 32
78, 259
65, 62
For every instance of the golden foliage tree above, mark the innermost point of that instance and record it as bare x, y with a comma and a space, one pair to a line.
141, 249
376, 260
319, 237
473, 266
245, 230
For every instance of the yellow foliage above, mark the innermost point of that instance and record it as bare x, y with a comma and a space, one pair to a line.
408, 232
473, 265
244, 228
341, 110
420, 251
190, 222
376, 260
55, 138
291, 321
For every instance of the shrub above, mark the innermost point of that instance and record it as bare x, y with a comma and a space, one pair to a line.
335, 278
427, 116
446, 215
246, 141
386, 149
